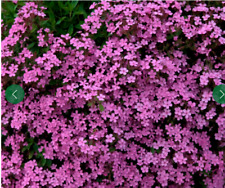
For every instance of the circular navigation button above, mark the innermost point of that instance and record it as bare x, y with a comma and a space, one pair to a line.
219, 94
14, 94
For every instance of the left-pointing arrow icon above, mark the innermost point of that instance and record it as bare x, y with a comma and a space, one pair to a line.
14, 94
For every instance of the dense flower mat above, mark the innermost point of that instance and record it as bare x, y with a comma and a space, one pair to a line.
131, 109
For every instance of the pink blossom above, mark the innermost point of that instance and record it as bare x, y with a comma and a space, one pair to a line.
109, 138
123, 71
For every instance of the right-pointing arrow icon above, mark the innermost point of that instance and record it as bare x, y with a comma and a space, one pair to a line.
219, 94
222, 93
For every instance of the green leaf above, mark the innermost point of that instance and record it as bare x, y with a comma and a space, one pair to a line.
55, 82
112, 149
170, 36
35, 147
60, 4
31, 45
52, 17
101, 107
78, 26
78, 13
43, 23
153, 150
39, 155
43, 162
207, 173
74, 4
70, 30
81, 8
60, 20
29, 145
30, 154
30, 140
21, 3
48, 163
22, 165
10, 7
64, 7
15, 7
89, 104
178, 32
34, 28
24, 149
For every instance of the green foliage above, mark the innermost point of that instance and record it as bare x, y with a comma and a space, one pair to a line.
101, 36
9, 13
31, 152
177, 33
62, 17
101, 107
199, 181
155, 150
66, 16
112, 149
90, 104
100, 178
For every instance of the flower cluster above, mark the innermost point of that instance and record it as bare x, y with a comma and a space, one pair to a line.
133, 110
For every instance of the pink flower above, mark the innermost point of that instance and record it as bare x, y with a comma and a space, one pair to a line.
101, 97
131, 79
179, 158
144, 169
109, 138
123, 71
133, 63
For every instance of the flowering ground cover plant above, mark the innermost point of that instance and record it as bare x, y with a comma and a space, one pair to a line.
125, 101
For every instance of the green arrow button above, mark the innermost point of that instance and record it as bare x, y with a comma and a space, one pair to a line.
14, 94
219, 94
